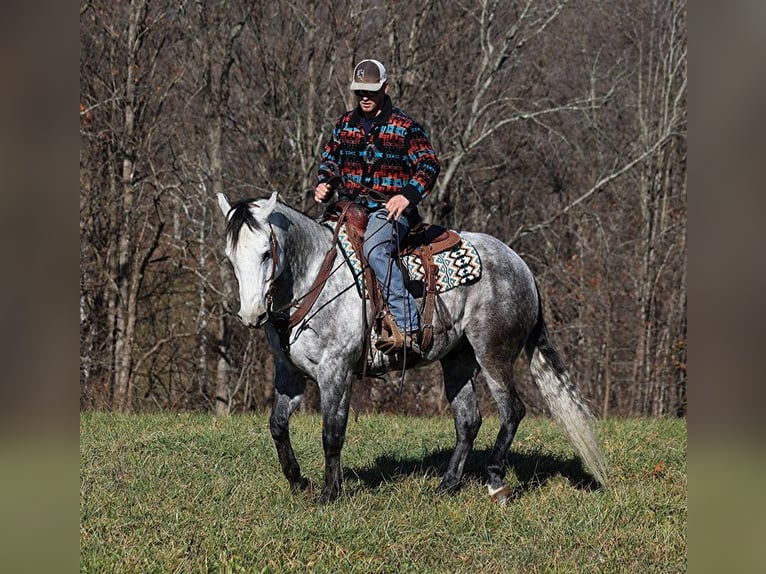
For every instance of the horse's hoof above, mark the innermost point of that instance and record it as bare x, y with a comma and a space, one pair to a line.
500, 495
450, 488
328, 497
330, 492
303, 485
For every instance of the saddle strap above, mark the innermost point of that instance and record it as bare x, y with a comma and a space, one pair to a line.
377, 303
429, 280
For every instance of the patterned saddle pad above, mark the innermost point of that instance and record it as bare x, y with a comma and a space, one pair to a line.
460, 265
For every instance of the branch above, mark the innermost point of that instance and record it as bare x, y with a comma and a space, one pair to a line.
603, 182
156, 347
576, 105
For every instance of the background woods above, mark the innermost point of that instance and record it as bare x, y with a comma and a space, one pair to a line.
561, 127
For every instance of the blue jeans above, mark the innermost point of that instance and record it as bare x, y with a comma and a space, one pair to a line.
380, 249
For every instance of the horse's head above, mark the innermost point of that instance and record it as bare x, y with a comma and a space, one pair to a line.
253, 248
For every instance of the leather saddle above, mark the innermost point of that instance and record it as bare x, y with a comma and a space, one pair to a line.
424, 240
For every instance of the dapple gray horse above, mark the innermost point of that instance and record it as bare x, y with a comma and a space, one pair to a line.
277, 251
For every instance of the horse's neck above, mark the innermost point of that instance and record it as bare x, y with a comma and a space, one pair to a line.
308, 244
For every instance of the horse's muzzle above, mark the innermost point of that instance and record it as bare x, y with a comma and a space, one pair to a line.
259, 321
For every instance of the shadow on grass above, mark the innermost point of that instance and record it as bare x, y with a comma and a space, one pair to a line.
533, 470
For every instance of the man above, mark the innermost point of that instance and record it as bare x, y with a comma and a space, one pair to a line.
388, 165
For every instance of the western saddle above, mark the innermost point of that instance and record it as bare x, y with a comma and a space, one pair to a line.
424, 240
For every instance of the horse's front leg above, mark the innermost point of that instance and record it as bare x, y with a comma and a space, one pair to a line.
335, 392
289, 387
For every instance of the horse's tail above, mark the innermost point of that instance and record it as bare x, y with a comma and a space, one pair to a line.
564, 400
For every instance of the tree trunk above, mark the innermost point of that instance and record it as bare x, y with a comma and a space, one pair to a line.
125, 318
216, 73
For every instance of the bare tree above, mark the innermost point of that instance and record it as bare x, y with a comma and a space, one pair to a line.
128, 117
213, 31
660, 34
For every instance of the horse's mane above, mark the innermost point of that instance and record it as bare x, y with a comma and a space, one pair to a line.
241, 215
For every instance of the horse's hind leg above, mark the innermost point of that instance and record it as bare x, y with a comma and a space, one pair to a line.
459, 368
288, 394
498, 373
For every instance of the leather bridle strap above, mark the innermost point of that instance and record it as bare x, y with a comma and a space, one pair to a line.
274, 262
316, 287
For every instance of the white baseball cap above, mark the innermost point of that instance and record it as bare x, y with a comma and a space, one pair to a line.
368, 75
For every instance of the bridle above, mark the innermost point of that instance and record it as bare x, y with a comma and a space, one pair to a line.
274, 246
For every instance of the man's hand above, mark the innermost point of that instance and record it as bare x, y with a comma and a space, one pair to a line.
321, 192
395, 206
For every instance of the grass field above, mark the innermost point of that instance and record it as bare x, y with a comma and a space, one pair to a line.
194, 493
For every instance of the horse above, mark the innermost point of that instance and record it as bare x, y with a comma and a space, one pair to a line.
277, 252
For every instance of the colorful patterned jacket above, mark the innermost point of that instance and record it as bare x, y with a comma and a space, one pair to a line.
395, 156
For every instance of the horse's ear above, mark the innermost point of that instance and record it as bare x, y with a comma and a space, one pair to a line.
267, 208
223, 203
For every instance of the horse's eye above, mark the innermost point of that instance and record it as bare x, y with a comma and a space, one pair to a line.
266, 256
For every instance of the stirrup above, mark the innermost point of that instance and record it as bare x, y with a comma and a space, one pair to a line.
412, 342
390, 345
392, 339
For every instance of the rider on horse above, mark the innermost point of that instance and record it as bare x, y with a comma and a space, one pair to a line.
387, 165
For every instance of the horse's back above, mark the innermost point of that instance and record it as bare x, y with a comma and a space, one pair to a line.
500, 263
506, 290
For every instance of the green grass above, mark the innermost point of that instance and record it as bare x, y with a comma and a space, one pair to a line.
194, 493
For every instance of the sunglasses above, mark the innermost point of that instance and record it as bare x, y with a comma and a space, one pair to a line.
367, 94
